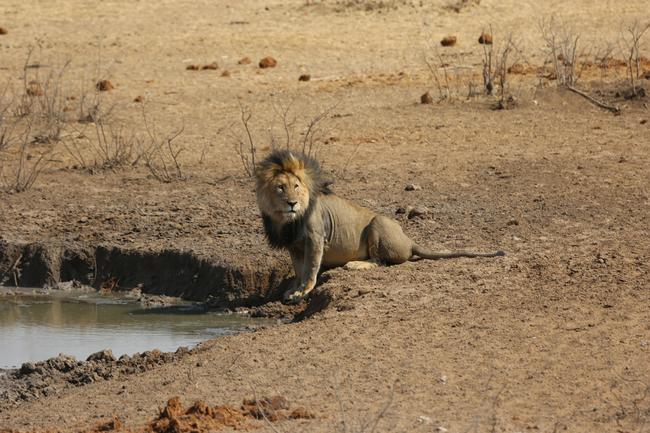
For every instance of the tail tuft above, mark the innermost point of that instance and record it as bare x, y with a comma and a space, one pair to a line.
500, 253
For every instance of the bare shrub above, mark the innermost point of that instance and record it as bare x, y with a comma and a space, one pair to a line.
563, 49
161, 154
631, 40
21, 175
496, 66
308, 139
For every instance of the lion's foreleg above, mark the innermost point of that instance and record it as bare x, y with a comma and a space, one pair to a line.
312, 259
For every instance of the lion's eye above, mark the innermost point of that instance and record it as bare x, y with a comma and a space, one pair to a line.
295, 187
280, 188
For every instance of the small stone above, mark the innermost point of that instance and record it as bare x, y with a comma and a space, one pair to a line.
138, 98
441, 429
424, 419
449, 41
193, 67
105, 355
104, 85
304, 77
225, 74
268, 62
442, 379
3, 31
210, 66
27, 368
426, 98
412, 187
34, 88
400, 210
416, 212
245, 61
485, 39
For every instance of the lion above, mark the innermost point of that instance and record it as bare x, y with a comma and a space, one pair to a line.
320, 230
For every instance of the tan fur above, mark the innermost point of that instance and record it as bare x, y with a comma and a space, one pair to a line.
326, 230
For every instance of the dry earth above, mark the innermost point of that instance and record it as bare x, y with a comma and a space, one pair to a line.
553, 337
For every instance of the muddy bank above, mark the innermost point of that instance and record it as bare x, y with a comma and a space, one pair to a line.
167, 272
40, 379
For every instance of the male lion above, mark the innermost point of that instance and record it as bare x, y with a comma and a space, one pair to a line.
302, 215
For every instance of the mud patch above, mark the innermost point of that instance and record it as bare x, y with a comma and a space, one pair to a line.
34, 380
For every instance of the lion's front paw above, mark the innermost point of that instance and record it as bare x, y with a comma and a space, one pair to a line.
293, 296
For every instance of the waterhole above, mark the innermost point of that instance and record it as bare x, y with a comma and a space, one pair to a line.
34, 327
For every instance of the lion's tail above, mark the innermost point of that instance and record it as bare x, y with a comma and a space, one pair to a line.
425, 253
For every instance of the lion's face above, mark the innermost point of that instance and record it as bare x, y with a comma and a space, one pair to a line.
284, 197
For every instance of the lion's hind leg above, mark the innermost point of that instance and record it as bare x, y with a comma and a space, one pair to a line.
387, 243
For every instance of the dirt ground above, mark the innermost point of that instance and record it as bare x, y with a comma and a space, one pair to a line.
555, 336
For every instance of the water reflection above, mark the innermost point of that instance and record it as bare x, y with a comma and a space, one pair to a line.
36, 328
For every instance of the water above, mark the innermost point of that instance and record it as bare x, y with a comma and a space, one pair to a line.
34, 328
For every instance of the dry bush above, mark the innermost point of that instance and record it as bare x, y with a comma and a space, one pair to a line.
563, 50
631, 41
110, 147
21, 173
497, 61
452, 79
161, 154
308, 139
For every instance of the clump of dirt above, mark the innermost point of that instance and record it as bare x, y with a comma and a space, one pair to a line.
210, 67
485, 39
35, 380
268, 62
3, 31
193, 67
200, 417
426, 98
245, 61
34, 88
448, 41
104, 85
225, 74
304, 77
138, 99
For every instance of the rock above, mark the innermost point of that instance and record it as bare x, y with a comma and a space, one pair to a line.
138, 98
225, 74
426, 98
449, 41
304, 77
3, 31
105, 355
441, 429
211, 66
34, 88
400, 210
485, 39
417, 211
192, 67
27, 368
268, 62
104, 85
424, 420
244, 61
412, 187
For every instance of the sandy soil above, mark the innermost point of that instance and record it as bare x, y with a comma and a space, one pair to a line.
552, 337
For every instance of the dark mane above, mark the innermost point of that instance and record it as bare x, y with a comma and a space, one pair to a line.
300, 164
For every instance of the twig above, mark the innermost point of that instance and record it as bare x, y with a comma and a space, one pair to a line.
614, 109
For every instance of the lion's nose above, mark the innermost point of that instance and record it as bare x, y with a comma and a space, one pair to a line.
292, 203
